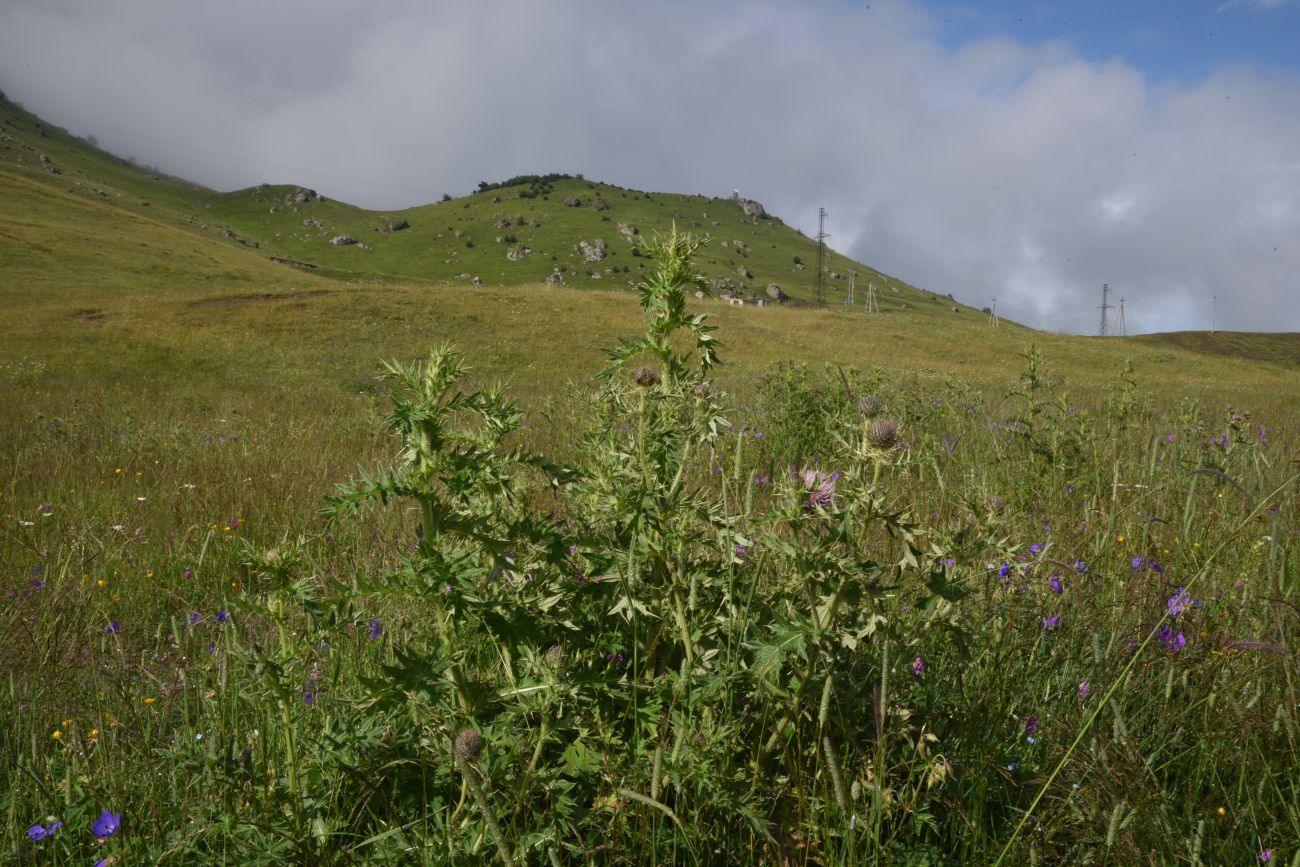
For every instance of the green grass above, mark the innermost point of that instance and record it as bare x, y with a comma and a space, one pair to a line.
175, 408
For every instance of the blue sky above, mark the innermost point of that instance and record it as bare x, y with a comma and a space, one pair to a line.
1168, 40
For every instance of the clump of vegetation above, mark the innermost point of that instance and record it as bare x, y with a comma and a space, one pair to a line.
843, 619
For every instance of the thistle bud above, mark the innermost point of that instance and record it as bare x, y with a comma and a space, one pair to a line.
882, 434
468, 746
870, 406
645, 377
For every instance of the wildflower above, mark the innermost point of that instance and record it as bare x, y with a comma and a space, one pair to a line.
870, 406
1004, 570
1136, 563
149, 699
39, 832
195, 618
57, 735
1014, 766
1084, 689
188, 573
645, 377
821, 490
107, 824
375, 629
223, 615
1031, 725
741, 550
1222, 811
1036, 548
1080, 566
918, 666
1120, 537
1266, 855
882, 434
1180, 602
114, 627
467, 746
309, 697
1057, 588
94, 733
1175, 641
1051, 622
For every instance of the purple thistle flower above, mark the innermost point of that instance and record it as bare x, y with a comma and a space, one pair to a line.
821, 490
1051, 622
107, 824
188, 573
1057, 587
375, 629
918, 666
1084, 689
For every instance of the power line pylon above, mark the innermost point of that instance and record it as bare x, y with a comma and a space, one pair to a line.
1105, 306
872, 306
1119, 324
821, 257
993, 313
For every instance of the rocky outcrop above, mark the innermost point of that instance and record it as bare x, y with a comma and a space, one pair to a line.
396, 225
342, 240
517, 252
555, 278
752, 209
302, 195
745, 272
628, 230
593, 252
600, 205
573, 202
774, 292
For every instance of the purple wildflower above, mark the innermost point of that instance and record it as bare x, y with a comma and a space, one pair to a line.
223, 615
1004, 570
1174, 641
1180, 602
741, 550
1057, 587
309, 697
37, 833
375, 629
114, 627
1051, 622
1266, 855
107, 824
1084, 689
821, 490
195, 618
188, 573
1036, 548
1080, 566
1136, 563
918, 666
1031, 725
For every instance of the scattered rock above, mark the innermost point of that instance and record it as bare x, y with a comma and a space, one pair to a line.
555, 278
319, 224
629, 231
956, 310
745, 272
573, 202
593, 252
774, 292
752, 209
302, 195
342, 240
397, 225
724, 244
517, 252
721, 285
477, 281
600, 205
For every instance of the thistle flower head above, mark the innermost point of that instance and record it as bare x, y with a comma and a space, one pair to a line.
882, 434
870, 406
645, 377
468, 746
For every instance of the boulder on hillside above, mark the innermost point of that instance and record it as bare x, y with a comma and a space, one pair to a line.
600, 205
302, 195
774, 292
342, 240
573, 202
629, 231
517, 252
555, 278
397, 225
745, 272
593, 252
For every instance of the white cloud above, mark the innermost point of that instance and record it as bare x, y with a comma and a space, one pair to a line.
1000, 168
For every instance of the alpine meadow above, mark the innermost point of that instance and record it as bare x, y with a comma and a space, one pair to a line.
514, 529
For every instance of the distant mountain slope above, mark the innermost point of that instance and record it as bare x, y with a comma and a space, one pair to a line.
529, 229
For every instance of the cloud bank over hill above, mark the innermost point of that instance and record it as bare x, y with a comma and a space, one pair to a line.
998, 168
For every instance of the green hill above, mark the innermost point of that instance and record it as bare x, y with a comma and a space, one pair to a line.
99, 255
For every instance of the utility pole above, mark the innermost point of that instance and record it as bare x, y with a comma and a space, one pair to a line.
849, 300
872, 306
1214, 311
821, 257
993, 313
1105, 305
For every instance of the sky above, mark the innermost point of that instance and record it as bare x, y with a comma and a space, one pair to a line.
1023, 151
